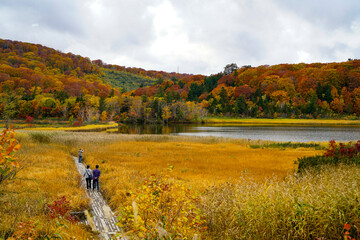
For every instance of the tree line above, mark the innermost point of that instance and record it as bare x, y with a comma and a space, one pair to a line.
41, 82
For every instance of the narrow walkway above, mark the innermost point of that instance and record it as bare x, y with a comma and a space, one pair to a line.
104, 220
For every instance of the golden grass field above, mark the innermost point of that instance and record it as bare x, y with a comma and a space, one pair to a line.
197, 162
47, 174
246, 193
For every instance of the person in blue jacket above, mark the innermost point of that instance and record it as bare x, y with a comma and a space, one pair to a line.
96, 176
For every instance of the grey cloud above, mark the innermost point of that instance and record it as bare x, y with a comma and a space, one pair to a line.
122, 27
236, 30
56, 15
331, 14
217, 32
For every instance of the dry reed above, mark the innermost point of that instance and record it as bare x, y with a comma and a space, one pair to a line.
313, 206
47, 173
237, 200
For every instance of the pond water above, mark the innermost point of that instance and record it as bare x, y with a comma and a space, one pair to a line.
272, 133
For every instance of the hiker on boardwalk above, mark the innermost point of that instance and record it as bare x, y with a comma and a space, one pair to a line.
80, 155
96, 175
88, 176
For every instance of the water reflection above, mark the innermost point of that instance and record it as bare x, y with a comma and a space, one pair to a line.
272, 133
153, 129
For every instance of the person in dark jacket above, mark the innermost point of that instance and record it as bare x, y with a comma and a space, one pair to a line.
96, 175
88, 177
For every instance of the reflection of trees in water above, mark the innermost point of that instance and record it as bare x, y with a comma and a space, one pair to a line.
123, 128
150, 129
166, 130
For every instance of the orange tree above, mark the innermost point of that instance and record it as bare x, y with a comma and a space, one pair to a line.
9, 165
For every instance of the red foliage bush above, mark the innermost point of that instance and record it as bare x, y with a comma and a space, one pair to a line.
78, 122
60, 208
343, 150
29, 119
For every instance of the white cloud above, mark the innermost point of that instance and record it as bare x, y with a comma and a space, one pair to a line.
198, 36
172, 40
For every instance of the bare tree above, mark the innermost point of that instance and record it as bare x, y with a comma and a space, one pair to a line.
230, 68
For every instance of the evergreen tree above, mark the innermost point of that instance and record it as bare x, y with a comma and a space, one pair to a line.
102, 105
194, 92
160, 92
181, 84
311, 106
211, 82
240, 105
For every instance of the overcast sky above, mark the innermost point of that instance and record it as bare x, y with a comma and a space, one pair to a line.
194, 36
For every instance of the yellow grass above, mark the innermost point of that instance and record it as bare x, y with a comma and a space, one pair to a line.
47, 173
316, 205
237, 200
125, 159
198, 162
91, 127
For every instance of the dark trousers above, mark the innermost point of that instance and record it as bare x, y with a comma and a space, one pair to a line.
88, 183
96, 184
80, 158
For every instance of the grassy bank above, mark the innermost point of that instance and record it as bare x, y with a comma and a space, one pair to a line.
48, 125
283, 121
86, 128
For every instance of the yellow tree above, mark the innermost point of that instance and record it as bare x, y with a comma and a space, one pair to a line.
166, 114
104, 116
337, 105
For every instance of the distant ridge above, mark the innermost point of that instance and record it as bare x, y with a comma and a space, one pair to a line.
41, 82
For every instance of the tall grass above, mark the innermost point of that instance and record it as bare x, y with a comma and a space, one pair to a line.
197, 160
316, 205
47, 173
126, 160
246, 193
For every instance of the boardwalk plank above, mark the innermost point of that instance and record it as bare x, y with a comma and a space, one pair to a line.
103, 218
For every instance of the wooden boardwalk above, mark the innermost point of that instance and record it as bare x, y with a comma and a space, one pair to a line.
103, 220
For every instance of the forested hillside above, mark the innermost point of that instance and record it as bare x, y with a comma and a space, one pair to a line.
286, 90
125, 81
40, 82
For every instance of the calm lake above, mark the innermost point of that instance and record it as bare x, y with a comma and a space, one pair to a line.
273, 133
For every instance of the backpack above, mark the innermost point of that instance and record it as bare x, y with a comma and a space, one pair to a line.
89, 174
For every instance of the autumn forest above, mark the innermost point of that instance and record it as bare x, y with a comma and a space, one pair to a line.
39, 82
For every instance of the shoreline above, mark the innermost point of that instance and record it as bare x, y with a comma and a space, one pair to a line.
282, 121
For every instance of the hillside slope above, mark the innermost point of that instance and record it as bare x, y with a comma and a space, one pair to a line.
286, 90
41, 82
125, 80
